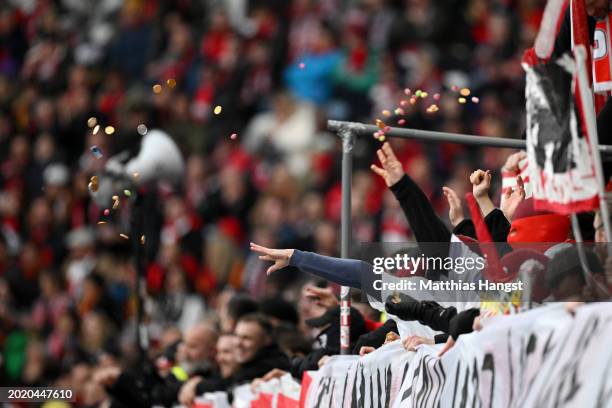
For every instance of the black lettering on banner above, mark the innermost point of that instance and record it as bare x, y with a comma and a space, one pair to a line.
331, 393
604, 398
464, 392
378, 385
362, 385
371, 393
441, 376
346, 380
510, 366
424, 382
324, 388
388, 379
430, 379
456, 382
475, 382
415, 376
488, 363
354, 392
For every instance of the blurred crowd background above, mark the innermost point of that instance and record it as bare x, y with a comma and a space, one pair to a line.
279, 69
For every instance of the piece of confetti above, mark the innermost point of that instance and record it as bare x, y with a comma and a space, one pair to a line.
465, 92
217, 110
96, 129
380, 124
142, 129
436, 96
157, 88
91, 122
127, 193
171, 82
95, 150
401, 121
407, 91
233, 136
475, 99
109, 130
93, 184
124, 236
433, 108
461, 100
302, 65
106, 212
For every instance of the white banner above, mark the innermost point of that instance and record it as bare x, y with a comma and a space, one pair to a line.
541, 358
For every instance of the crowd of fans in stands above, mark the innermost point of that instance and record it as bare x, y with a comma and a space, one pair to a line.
279, 69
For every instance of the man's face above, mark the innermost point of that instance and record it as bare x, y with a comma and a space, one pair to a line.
251, 338
597, 8
226, 355
198, 346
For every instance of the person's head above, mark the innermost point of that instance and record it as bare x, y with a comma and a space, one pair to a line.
564, 275
199, 345
253, 333
226, 354
597, 8
279, 311
239, 305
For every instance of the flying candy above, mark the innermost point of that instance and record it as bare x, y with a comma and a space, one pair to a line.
101, 222
454, 88
381, 138
96, 129
475, 99
127, 193
407, 91
386, 113
424, 95
233, 136
436, 97
462, 100
401, 121
217, 110
124, 236
93, 184
433, 108
142, 239
106, 212
142, 129
109, 130
399, 112
171, 82
96, 151
91, 122
413, 101
417, 93
157, 88
302, 65
464, 92
387, 129
380, 124
404, 103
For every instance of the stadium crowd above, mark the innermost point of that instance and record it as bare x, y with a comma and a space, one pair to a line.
278, 69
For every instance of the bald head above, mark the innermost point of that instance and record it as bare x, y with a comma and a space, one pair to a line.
199, 343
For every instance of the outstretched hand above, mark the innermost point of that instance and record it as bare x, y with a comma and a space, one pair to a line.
392, 170
512, 199
280, 257
455, 208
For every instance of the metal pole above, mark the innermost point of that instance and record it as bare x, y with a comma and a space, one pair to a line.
359, 129
345, 292
586, 98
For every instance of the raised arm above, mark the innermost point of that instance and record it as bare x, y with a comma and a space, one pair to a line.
346, 272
